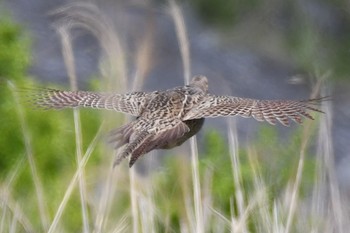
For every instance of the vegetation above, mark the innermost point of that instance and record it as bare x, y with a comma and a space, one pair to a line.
28, 134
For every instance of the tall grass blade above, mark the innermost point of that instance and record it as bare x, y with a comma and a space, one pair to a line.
337, 215
185, 55
143, 57
133, 200
182, 38
73, 182
88, 16
233, 145
296, 186
7, 202
105, 199
69, 62
197, 197
29, 152
6, 190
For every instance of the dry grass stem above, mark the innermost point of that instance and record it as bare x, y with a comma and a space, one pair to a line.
73, 181
88, 16
29, 152
182, 38
233, 145
185, 56
70, 66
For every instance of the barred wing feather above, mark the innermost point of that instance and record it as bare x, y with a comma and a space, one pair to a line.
262, 110
130, 103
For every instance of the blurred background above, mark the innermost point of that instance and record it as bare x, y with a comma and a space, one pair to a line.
257, 49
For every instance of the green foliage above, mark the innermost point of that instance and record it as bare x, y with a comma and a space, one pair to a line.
216, 158
50, 134
222, 12
171, 187
279, 159
14, 60
276, 163
317, 48
14, 50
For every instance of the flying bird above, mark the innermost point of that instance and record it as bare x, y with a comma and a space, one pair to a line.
166, 119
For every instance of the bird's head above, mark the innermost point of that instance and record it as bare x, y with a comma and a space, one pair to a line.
200, 81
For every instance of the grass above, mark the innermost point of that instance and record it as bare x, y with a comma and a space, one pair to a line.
265, 187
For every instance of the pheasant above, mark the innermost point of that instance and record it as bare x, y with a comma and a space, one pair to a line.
166, 119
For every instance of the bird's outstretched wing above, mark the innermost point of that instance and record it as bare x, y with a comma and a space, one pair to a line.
262, 110
130, 103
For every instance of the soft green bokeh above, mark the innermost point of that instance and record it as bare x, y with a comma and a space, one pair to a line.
275, 162
50, 134
224, 13
14, 50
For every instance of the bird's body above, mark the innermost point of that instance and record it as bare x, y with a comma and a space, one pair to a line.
165, 119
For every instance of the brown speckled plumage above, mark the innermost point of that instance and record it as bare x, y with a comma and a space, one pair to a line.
166, 119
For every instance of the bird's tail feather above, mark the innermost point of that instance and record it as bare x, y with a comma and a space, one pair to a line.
137, 147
